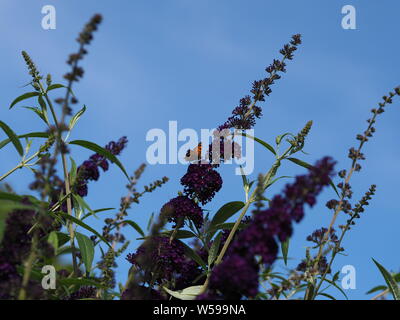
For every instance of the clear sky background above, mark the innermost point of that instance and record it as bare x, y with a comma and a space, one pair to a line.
191, 61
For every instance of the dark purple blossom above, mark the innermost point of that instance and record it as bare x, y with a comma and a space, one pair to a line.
116, 147
183, 207
201, 182
238, 277
83, 293
322, 265
14, 249
318, 236
242, 117
139, 292
89, 169
165, 259
259, 239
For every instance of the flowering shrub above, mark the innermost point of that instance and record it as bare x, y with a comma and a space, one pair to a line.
188, 253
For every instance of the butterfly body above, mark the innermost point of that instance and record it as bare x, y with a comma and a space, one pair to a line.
195, 154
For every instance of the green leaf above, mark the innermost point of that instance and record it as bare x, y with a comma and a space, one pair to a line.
189, 293
326, 295
96, 148
309, 166
80, 282
28, 135
35, 274
6, 206
66, 250
82, 204
62, 238
263, 143
279, 138
96, 211
53, 240
10, 196
226, 211
55, 86
87, 250
76, 117
41, 102
189, 252
39, 113
276, 179
390, 281
13, 138
336, 276
300, 163
150, 222
223, 214
73, 172
134, 225
244, 178
377, 288
24, 97
285, 250
213, 253
180, 234
83, 225
58, 86
225, 226
337, 287
43, 106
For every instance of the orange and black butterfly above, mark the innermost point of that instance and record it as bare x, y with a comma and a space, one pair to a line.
195, 154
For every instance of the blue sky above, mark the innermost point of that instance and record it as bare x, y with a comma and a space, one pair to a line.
191, 61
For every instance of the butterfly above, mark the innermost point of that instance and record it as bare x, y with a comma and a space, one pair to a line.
195, 154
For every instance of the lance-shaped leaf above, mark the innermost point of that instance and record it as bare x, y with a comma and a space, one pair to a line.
87, 250
225, 226
285, 250
27, 135
223, 214
96, 148
53, 240
23, 97
309, 166
279, 138
55, 86
179, 234
96, 211
226, 211
6, 206
73, 172
58, 86
83, 225
326, 295
76, 117
13, 138
189, 293
375, 289
213, 253
40, 113
337, 287
263, 143
62, 238
189, 252
390, 281
80, 282
134, 225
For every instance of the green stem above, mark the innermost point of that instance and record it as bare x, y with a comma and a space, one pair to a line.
19, 166
28, 268
66, 180
338, 209
271, 173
